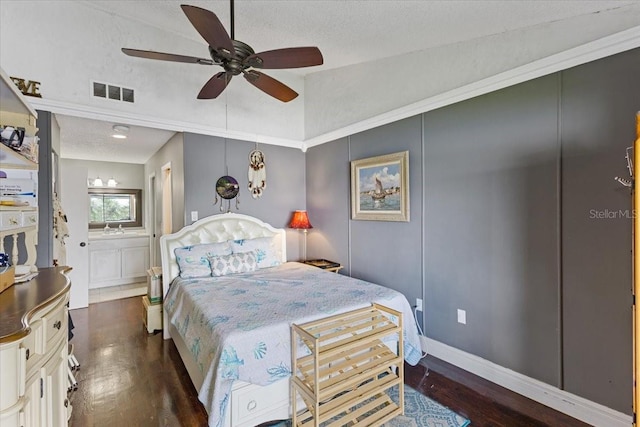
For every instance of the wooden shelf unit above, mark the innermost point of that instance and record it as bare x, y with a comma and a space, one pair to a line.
16, 111
345, 378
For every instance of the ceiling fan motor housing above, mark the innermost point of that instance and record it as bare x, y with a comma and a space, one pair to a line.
235, 64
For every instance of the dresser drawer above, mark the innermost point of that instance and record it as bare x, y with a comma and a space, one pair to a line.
54, 324
10, 219
32, 344
251, 401
29, 218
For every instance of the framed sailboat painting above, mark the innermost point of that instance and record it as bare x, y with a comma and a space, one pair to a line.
380, 188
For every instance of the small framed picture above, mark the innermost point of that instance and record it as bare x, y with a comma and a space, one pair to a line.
380, 188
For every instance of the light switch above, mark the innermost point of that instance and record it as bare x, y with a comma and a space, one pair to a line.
194, 215
462, 316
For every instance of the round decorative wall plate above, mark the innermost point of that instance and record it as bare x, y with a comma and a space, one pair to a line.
227, 187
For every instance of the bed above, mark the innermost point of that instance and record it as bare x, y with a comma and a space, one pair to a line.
233, 330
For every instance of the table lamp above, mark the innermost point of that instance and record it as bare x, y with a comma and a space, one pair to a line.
300, 221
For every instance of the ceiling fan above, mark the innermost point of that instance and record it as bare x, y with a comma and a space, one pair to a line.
236, 57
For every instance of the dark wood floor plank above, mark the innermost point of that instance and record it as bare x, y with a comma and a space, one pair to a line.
131, 378
481, 401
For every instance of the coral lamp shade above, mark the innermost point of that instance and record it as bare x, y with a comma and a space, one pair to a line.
300, 220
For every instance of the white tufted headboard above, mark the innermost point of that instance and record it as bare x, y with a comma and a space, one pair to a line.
215, 229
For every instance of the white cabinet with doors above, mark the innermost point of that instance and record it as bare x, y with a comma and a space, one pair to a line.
117, 260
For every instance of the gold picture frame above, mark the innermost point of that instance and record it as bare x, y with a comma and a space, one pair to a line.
380, 188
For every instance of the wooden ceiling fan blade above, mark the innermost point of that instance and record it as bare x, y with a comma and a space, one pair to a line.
210, 28
149, 54
292, 57
215, 85
270, 86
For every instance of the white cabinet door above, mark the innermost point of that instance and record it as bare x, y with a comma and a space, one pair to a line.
32, 412
135, 262
105, 265
55, 390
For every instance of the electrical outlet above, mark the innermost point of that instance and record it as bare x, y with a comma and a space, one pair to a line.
419, 304
462, 316
194, 215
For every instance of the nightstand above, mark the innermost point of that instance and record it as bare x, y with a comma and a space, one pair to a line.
152, 315
325, 264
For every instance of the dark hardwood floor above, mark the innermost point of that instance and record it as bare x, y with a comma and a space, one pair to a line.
130, 378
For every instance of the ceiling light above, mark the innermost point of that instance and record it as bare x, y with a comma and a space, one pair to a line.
120, 131
111, 182
97, 182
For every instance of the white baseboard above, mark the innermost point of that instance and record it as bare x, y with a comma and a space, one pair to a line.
565, 402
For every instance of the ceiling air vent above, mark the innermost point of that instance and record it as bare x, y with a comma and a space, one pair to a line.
109, 91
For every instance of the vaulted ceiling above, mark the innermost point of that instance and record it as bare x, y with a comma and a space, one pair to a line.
382, 60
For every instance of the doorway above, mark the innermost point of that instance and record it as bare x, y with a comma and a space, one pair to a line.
153, 220
167, 200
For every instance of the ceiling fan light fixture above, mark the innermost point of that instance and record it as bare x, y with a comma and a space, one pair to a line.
120, 131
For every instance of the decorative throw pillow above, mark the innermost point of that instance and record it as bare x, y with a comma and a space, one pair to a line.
231, 264
266, 253
194, 260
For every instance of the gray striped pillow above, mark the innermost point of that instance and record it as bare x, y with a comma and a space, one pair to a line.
242, 262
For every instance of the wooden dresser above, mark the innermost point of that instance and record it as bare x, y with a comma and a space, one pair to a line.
33, 351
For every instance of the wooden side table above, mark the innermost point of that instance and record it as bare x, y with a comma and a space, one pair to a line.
325, 264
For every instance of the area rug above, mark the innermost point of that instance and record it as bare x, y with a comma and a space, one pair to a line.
419, 411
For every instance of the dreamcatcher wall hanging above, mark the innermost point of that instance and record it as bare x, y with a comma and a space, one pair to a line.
257, 173
227, 188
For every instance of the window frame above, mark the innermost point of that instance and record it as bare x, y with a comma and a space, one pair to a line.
137, 196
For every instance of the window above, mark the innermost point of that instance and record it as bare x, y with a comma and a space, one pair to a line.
115, 207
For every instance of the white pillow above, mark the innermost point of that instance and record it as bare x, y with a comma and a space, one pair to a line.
264, 247
232, 264
194, 260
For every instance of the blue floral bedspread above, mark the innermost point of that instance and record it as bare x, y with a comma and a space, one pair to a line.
238, 327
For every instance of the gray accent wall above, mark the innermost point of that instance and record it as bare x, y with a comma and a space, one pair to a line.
599, 102
502, 190
389, 253
207, 158
328, 172
491, 234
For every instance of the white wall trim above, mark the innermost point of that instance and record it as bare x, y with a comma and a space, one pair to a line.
134, 119
601, 48
560, 400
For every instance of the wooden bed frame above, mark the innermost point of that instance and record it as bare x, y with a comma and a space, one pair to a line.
249, 404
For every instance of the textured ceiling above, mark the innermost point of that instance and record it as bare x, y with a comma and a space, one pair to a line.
347, 32
354, 31
88, 139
